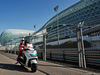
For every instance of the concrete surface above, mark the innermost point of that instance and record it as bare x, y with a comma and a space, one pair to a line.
7, 67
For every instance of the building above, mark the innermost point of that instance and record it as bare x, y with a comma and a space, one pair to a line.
84, 10
11, 35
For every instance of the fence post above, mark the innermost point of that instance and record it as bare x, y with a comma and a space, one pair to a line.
64, 55
8, 48
44, 47
82, 45
78, 43
41, 54
15, 48
81, 51
50, 55
11, 48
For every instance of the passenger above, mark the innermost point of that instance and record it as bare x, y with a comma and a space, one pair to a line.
26, 44
20, 50
30, 46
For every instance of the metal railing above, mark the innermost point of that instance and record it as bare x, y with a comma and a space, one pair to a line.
68, 55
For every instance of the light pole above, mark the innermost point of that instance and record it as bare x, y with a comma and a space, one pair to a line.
34, 27
30, 38
11, 45
8, 46
56, 10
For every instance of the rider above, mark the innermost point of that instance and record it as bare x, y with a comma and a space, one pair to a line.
20, 50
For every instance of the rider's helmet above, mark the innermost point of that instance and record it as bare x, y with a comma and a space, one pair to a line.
23, 39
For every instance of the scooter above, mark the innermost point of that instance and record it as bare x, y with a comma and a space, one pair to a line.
29, 58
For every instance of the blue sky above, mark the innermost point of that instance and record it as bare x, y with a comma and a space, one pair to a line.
24, 14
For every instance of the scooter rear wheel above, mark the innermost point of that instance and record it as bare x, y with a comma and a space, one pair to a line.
34, 67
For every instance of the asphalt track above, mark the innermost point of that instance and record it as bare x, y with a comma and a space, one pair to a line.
7, 67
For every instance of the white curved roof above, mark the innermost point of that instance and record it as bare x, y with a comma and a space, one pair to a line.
11, 34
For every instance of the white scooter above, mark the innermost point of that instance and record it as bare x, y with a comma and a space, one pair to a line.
29, 59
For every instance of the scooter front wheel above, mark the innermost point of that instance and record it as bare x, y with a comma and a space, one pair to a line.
33, 67
22, 65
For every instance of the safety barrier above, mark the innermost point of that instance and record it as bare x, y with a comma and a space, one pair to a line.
68, 55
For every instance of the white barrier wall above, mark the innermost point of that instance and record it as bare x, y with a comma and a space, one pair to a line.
95, 41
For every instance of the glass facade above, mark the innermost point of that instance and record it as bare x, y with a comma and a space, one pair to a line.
84, 10
81, 11
13, 35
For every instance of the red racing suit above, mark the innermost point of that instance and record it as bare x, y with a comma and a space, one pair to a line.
20, 52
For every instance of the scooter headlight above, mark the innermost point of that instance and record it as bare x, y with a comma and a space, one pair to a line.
33, 53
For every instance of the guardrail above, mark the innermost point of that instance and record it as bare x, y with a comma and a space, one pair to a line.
68, 55
71, 55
